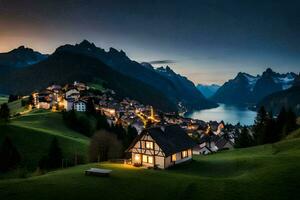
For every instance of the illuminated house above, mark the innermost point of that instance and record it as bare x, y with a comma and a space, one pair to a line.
161, 147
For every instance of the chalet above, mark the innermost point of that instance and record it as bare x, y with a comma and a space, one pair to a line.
202, 149
223, 143
212, 143
161, 147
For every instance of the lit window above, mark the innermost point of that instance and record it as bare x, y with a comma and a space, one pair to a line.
149, 145
173, 158
145, 158
184, 154
137, 157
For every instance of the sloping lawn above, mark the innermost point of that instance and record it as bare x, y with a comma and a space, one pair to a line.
33, 133
264, 172
3, 99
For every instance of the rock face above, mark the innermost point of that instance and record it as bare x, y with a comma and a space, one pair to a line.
246, 89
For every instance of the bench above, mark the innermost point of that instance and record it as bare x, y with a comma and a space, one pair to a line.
97, 172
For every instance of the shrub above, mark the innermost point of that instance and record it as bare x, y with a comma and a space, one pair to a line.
103, 146
9, 156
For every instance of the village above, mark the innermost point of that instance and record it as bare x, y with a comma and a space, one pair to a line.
209, 137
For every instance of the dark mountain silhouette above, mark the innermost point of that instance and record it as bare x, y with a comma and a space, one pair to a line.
290, 99
184, 86
21, 57
64, 67
248, 89
179, 92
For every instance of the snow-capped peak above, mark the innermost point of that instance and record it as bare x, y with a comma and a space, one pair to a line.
285, 80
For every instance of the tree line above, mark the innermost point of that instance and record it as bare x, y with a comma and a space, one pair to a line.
267, 128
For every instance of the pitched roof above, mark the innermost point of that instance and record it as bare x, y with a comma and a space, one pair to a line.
222, 142
171, 139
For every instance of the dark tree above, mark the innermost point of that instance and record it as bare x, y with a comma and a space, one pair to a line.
104, 146
55, 156
291, 122
4, 112
130, 136
270, 134
12, 98
119, 131
280, 123
9, 156
82, 124
90, 107
260, 126
244, 139
102, 122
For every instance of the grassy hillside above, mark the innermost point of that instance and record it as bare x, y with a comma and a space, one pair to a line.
33, 132
263, 172
16, 107
294, 134
3, 99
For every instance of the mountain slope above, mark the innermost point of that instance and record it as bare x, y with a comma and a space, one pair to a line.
184, 86
248, 89
208, 90
235, 91
65, 67
118, 60
289, 98
21, 57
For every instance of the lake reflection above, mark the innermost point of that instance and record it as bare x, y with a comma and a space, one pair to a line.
229, 114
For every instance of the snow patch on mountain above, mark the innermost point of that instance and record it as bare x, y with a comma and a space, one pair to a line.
251, 80
285, 81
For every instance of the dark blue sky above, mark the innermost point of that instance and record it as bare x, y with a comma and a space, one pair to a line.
209, 41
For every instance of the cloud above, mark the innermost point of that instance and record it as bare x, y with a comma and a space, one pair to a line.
162, 62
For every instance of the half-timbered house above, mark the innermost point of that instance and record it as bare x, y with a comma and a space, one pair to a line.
161, 147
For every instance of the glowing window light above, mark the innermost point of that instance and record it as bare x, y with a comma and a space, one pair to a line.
137, 157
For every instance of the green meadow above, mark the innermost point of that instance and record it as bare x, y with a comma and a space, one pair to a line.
32, 134
263, 172
3, 99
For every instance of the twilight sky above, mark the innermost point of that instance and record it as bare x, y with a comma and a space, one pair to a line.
208, 41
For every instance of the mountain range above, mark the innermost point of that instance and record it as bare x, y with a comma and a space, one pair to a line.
289, 99
21, 57
162, 87
208, 90
246, 89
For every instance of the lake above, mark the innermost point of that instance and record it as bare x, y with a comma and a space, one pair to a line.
227, 113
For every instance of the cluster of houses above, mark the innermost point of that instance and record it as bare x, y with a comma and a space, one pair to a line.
171, 139
76, 96
56, 97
